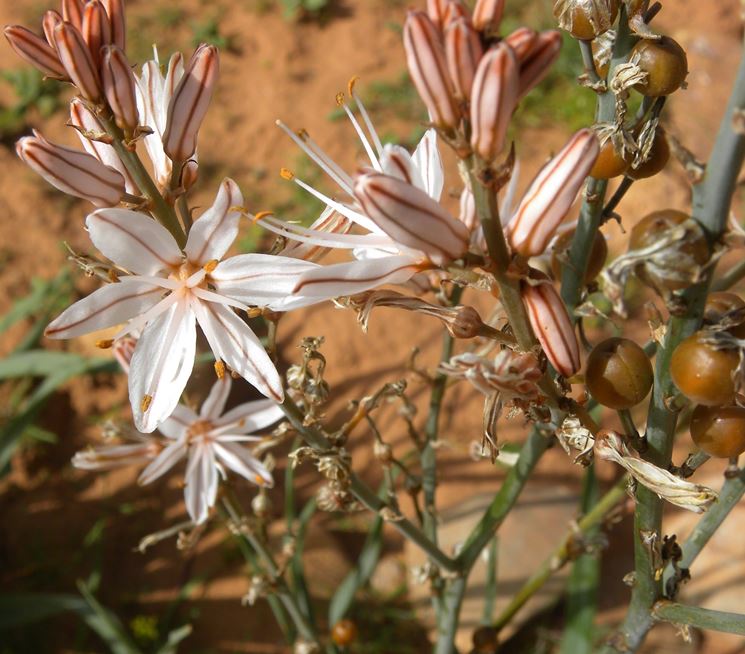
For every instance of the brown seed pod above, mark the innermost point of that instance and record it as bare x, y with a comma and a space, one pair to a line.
619, 374
718, 305
703, 373
665, 63
659, 155
586, 19
610, 163
344, 633
598, 255
719, 431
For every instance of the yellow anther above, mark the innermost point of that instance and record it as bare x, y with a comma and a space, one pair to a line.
239, 208
211, 265
302, 134
287, 174
350, 85
261, 215
105, 343
340, 99
113, 276
147, 400
219, 369
254, 313
259, 480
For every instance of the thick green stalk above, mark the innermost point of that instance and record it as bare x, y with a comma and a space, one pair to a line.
695, 616
448, 623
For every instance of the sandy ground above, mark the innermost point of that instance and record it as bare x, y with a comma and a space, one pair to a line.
59, 524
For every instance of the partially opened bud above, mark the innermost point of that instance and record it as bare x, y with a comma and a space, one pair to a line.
119, 87
115, 11
552, 326
72, 12
425, 57
463, 51
96, 28
77, 61
487, 15
436, 11
72, 171
493, 100
551, 195
189, 103
50, 20
542, 54
34, 50
189, 174
410, 217
521, 41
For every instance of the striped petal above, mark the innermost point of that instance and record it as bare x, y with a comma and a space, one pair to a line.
429, 164
35, 51
240, 460
214, 405
168, 458
200, 492
216, 229
249, 417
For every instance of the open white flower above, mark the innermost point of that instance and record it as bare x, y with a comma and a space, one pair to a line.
169, 291
212, 441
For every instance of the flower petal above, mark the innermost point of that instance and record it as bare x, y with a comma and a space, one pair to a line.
397, 162
200, 492
178, 422
340, 279
232, 340
215, 230
427, 160
168, 458
249, 417
161, 366
133, 240
240, 460
214, 405
105, 307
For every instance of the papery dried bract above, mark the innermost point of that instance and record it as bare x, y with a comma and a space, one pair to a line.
74, 172
487, 15
189, 103
512, 374
425, 57
463, 51
493, 100
119, 86
77, 61
35, 50
551, 195
409, 216
552, 326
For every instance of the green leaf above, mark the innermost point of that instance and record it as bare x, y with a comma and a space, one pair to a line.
174, 638
44, 363
19, 609
106, 624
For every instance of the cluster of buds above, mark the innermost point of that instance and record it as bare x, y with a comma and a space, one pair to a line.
464, 71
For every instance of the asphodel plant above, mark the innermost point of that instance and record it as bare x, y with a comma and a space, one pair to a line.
167, 270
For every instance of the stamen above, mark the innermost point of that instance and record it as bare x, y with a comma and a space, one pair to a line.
365, 142
340, 99
219, 369
259, 480
254, 312
211, 265
105, 343
147, 400
261, 215
287, 174
366, 117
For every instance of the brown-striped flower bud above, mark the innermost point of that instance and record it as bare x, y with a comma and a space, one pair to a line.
436, 11
72, 171
487, 15
425, 57
50, 20
115, 11
72, 12
77, 61
119, 86
521, 41
410, 217
96, 28
539, 58
33, 49
493, 100
463, 51
551, 195
455, 10
189, 103
552, 326
189, 174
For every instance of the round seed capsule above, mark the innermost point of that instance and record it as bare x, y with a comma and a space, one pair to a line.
719, 431
665, 63
718, 305
609, 163
619, 374
702, 373
598, 255
344, 632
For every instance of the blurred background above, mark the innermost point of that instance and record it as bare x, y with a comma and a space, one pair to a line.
63, 530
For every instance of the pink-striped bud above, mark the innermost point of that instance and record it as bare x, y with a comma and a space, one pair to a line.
521, 41
115, 11
72, 12
189, 103
189, 174
552, 193
552, 326
96, 28
436, 11
493, 100
410, 217
72, 171
33, 49
425, 57
487, 15
77, 61
463, 51
50, 20
119, 86
467, 213
536, 63
455, 10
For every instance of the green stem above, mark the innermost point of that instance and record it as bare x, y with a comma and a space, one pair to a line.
490, 591
730, 278
364, 494
558, 558
448, 624
695, 616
